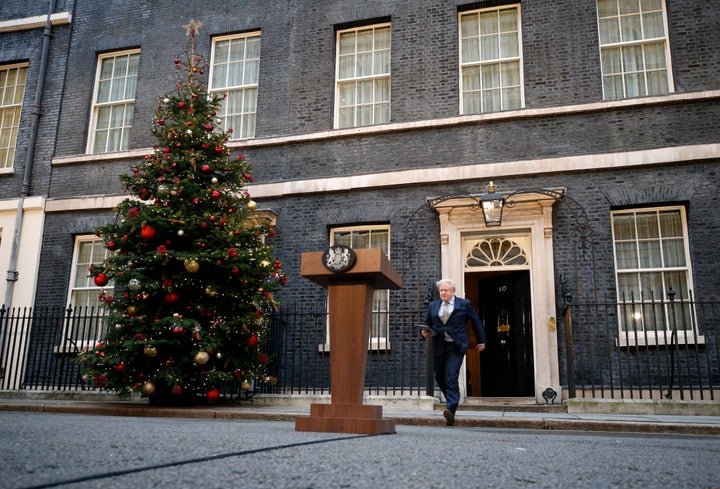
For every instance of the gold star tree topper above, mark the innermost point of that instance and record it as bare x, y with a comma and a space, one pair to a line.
192, 27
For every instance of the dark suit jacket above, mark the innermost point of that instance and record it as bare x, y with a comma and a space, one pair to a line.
463, 311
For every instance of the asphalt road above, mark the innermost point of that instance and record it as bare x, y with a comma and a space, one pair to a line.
81, 451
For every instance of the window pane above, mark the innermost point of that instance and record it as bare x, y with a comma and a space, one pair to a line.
363, 64
382, 38
609, 31
626, 255
347, 42
382, 113
611, 61
470, 50
651, 285
491, 100
346, 117
629, 6
365, 92
379, 239
508, 20
251, 73
678, 281
219, 76
490, 76
382, 90
613, 87
628, 286
624, 226
471, 103
671, 224
471, 78
634, 85
364, 115
607, 8
655, 57
510, 73
653, 25
382, 63
104, 92
103, 120
469, 25
488, 23
650, 254
250, 100
632, 58
252, 47
648, 5
509, 46
489, 48
647, 225
674, 252
347, 94
346, 67
511, 98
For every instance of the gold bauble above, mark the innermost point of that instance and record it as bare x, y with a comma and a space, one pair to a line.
251, 205
245, 385
150, 351
202, 358
132, 310
191, 266
148, 388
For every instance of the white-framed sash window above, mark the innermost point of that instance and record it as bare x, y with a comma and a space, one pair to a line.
234, 75
362, 86
12, 92
491, 73
634, 48
113, 101
653, 276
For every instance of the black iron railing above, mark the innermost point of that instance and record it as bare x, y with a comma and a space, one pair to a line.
37, 347
626, 350
642, 350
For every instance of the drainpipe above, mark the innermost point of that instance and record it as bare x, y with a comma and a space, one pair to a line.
12, 274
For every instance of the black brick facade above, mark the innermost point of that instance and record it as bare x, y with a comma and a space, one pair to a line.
561, 69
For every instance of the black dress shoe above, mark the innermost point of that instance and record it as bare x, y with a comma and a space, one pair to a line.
449, 417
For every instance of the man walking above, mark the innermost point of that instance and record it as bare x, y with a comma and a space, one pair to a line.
447, 318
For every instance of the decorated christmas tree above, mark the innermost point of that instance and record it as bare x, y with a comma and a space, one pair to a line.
192, 275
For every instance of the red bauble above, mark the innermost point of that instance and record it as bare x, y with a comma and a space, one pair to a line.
101, 280
177, 390
212, 395
205, 168
112, 245
216, 194
147, 232
253, 340
120, 367
208, 127
171, 297
177, 329
181, 104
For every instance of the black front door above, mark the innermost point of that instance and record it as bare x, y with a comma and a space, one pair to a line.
506, 365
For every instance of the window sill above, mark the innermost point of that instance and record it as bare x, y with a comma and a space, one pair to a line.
625, 341
375, 345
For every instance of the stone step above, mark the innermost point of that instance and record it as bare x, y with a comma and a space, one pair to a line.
509, 404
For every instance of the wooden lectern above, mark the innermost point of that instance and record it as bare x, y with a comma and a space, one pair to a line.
350, 296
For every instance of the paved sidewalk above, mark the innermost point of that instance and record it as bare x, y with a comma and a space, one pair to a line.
639, 423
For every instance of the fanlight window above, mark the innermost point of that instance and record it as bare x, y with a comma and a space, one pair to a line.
496, 252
